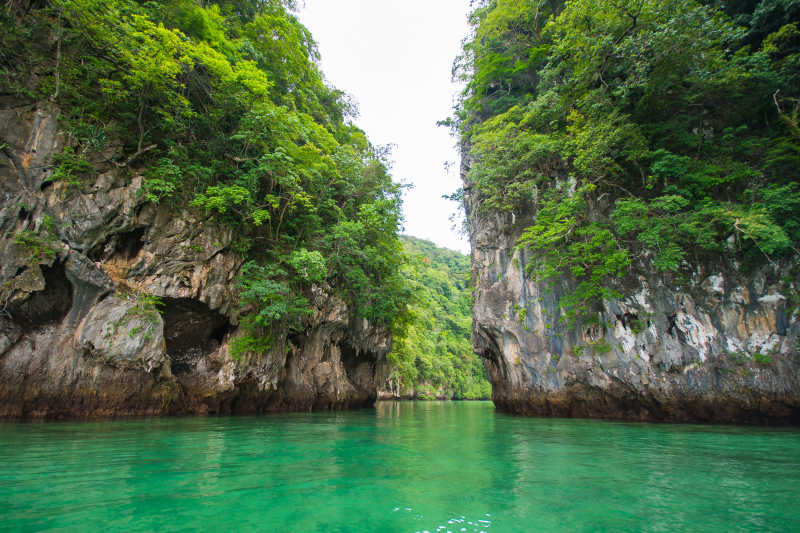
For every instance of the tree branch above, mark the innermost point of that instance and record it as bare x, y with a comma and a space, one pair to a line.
134, 156
54, 96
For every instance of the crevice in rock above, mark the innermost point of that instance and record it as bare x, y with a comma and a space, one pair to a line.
191, 331
672, 325
782, 320
350, 359
353, 363
130, 244
96, 254
326, 354
595, 332
628, 319
126, 246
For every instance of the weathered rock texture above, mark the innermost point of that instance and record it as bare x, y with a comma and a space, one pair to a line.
79, 336
721, 347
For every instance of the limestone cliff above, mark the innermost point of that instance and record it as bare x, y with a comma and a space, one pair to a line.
719, 347
80, 334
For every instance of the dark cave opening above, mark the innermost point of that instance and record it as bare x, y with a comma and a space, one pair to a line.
218, 334
130, 244
349, 356
191, 330
127, 245
48, 306
671, 319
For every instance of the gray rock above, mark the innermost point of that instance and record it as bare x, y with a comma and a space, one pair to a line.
722, 349
79, 336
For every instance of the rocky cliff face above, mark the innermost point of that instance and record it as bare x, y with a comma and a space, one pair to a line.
80, 334
719, 347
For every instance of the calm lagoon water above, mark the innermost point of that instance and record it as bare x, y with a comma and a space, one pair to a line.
402, 467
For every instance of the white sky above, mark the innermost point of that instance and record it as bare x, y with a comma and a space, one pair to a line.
395, 57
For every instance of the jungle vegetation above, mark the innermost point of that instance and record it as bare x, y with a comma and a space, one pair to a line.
663, 133
435, 354
222, 108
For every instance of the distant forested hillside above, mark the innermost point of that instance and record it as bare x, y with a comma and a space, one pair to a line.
435, 357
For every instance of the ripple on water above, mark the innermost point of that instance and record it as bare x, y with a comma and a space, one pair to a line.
460, 523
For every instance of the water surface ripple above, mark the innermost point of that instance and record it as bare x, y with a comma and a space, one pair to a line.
408, 467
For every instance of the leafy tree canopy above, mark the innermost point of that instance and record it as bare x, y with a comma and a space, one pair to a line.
222, 108
664, 131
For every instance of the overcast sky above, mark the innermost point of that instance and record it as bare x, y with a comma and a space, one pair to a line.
395, 57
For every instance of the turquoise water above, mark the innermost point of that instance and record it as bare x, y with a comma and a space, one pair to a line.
404, 467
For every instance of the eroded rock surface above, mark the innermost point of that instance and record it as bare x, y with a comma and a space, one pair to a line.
722, 347
80, 335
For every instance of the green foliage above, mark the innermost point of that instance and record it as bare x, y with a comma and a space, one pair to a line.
737, 358
623, 130
521, 312
164, 178
565, 242
762, 359
251, 342
435, 349
70, 166
221, 108
145, 312
309, 266
272, 305
741, 361
599, 348
39, 244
